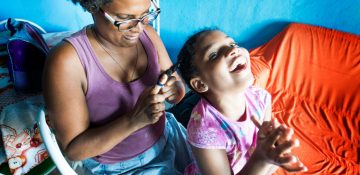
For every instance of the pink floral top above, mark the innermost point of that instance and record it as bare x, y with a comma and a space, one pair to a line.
209, 129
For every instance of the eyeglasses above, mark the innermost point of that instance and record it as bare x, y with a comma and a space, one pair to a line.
132, 23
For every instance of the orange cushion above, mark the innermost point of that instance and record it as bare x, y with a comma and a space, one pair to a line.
313, 74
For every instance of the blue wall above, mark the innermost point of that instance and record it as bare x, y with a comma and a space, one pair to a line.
52, 15
253, 22
250, 22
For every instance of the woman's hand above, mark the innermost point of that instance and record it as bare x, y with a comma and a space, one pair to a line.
173, 90
150, 105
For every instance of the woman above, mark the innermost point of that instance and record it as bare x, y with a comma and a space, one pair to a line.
101, 94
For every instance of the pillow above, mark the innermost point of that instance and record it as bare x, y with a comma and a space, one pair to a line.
313, 75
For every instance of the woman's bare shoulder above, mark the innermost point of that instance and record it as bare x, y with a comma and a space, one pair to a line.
63, 58
164, 59
63, 65
152, 34
63, 53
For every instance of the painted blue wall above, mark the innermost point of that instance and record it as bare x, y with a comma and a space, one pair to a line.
250, 22
253, 22
52, 15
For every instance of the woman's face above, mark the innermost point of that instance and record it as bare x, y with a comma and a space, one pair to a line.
222, 65
121, 10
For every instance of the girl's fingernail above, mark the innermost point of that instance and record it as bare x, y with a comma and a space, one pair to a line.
305, 168
296, 143
291, 131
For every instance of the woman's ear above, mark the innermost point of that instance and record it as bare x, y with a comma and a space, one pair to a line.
198, 85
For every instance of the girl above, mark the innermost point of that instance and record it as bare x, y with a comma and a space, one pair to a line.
223, 137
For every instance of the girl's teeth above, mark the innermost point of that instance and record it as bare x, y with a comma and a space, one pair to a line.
243, 61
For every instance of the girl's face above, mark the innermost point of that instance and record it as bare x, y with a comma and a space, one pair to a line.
122, 10
222, 65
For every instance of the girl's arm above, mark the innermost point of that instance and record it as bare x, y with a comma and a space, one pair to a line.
215, 162
212, 161
271, 168
280, 141
256, 164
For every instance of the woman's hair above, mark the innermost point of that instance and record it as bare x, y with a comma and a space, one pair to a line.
91, 6
186, 57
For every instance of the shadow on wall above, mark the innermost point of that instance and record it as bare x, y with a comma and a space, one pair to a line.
261, 34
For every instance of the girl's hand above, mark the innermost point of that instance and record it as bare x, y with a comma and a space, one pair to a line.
150, 105
274, 145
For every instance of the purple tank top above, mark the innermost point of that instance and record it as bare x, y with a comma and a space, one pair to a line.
108, 99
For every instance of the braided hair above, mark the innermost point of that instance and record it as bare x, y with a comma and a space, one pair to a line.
186, 57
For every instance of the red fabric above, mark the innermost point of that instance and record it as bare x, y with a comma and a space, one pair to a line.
313, 75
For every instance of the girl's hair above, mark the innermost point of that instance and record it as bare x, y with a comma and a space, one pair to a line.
186, 57
91, 6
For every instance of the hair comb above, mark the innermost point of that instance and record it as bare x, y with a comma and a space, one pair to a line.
171, 70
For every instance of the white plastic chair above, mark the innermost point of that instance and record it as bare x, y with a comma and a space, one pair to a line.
52, 146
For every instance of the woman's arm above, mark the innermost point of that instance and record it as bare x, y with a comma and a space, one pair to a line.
64, 92
212, 161
174, 89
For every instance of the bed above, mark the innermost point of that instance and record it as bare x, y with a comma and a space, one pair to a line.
313, 75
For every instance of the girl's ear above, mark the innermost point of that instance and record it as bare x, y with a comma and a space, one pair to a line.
198, 85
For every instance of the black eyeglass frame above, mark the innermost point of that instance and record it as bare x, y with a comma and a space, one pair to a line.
117, 24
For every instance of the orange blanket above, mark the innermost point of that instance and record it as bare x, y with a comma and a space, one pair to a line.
313, 74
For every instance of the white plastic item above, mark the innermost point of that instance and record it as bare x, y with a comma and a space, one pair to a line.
52, 146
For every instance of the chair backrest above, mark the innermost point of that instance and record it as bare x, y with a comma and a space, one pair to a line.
52, 146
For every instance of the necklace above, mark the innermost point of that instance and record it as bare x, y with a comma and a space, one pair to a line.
97, 39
